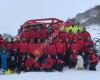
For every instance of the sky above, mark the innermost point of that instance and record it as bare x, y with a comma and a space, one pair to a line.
14, 13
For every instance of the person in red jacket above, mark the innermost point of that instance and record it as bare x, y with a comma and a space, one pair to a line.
75, 47
43, 34
93, 60
59, 64
89, 43
37, 64
32, 34
67, 54
80, 44
73, 59
23, 50
23, 35
63, 35
29, 64
30, 48
2, 42
60, 49
38, 50
86, 35
23, 47
16, 45
50, 50
70, 37
48, 63
37, 35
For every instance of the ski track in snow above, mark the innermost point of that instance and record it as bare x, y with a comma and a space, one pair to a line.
67, 74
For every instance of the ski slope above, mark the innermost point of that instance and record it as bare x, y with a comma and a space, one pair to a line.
67, 74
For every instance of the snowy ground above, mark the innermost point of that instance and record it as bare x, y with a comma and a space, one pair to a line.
67, 74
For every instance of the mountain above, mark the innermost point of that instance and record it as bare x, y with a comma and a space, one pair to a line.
89, 17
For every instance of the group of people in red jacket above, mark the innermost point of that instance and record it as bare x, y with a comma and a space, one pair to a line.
26, 53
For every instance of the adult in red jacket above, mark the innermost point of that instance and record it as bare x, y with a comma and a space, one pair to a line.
23, 35
86, 35
75, 38
32, 34
23, 47
60, 49
43, 34
59, 64
48, 64
37, 64
37, 34
63, 35
80, 44
16, 45
29, 64
38, 50
31, 48
93, 60
2, 42
89, 43
27, 36
75, 47
70, 37
50, 50
73, 59
67, 54
9, 45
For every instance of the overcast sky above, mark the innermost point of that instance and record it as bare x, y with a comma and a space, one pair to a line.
14, 13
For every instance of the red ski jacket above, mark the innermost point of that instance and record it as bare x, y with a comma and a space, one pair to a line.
81, 44
32, 34
29, 63
31, 48
93, 58
60, 47
86, 35
89, 43
37, 64
75, 46
48, 63
63, 35
50, 49
43, 33
73, 56
23, 47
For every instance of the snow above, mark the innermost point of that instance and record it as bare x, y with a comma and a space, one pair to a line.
67, 74
83, 20
94, 30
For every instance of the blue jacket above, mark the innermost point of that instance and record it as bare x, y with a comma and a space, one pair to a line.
4, 57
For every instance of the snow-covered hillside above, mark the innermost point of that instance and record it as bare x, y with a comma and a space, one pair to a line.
67, 74
94, 30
